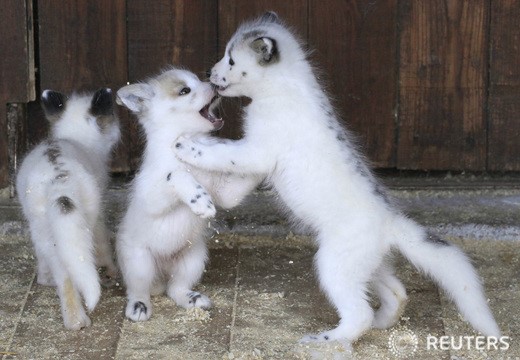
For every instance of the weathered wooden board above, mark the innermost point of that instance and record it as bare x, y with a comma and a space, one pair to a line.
356, 43
442, 93
504, 86
17, 84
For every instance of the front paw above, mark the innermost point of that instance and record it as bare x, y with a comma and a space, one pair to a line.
187, 150
202, 205
138, 310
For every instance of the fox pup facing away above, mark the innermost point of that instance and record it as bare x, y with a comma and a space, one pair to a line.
294, 137
60, 185
161, 242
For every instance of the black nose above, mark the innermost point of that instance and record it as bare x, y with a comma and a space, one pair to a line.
208, 73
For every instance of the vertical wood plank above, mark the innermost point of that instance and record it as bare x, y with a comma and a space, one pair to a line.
17, 83
356, 44
504, 92
443, 59
234, 12
162, 33
83, 46
171, 32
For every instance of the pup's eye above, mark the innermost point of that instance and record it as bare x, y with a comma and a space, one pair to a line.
185, 91
231, 62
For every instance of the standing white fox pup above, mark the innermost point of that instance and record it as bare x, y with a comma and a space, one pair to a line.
294, 137
60, 186
161, 243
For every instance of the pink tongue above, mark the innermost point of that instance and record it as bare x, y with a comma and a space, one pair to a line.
207, 114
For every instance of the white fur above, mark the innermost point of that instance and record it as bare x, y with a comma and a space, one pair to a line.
293, 136
71, 167
161, 243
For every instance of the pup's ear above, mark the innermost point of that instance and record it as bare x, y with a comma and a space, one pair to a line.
270, 17
266, 48
102, 103
53, 104
135, 96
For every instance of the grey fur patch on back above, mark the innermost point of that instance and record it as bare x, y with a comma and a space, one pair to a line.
62, 175
65, 204
52, 152
436, 240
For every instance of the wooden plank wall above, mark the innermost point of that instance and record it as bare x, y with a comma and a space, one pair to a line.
17, 84
504, 87
356, 46
431, 85
442, 72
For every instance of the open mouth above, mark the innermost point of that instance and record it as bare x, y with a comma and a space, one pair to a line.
219, 88
208, 113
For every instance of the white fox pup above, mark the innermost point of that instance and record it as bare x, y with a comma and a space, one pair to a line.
161, 243
60, 186
294, 137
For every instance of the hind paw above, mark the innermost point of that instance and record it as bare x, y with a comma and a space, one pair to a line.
138, 310
193, 299
76, 321
325, 336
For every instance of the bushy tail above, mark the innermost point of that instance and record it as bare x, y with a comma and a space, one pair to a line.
450, 268
74, 241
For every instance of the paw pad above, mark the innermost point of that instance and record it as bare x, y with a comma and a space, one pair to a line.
140, 307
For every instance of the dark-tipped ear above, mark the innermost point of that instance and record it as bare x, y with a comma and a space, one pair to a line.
102, 103
135, 96
53, 104
266, 48
270, 17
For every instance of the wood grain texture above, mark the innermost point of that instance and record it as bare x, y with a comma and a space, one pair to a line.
504, 86
171, 32
443, 64
356, 44
163, 33
17, 84
82, 44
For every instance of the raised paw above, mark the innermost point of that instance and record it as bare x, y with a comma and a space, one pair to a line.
186, 149
202, 205
138, 311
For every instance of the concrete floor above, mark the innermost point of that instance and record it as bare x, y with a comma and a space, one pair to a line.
261, 279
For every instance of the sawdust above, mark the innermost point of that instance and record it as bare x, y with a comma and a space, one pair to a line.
193, 314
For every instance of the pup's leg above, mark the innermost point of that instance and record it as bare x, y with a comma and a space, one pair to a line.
232, 189
44, 276
138, 269
231, 156
186, 271
392, 296
345, 264
72, 311
103, 249
192, 193
41, 240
